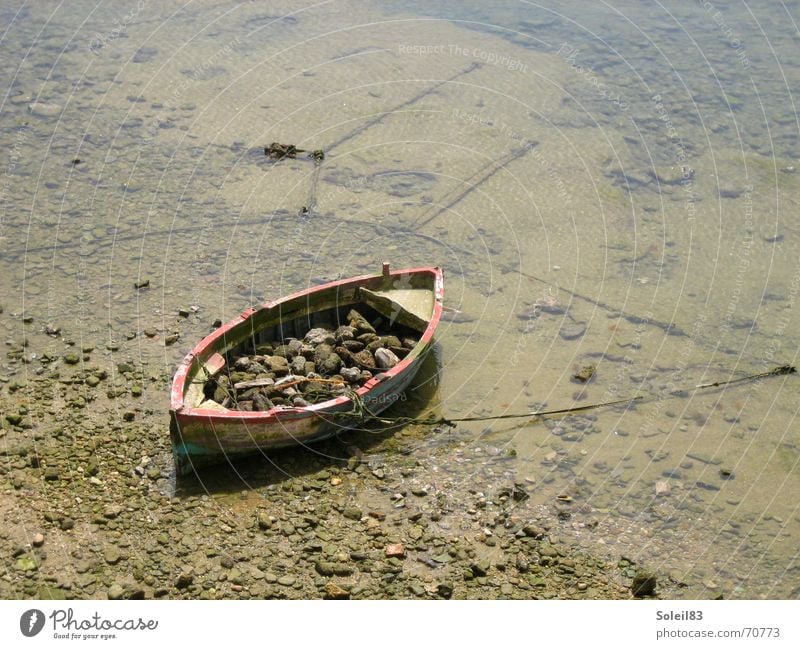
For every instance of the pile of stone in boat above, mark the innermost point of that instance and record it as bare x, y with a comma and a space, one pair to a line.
299, 372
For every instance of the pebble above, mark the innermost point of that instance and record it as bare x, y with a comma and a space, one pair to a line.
112, 555
480, 568
142, 283
395, 550
331, 568
38, 540
644, 584
385, 358
184, 580
662, 488
572, 331
287, 580
333, 591
43, 109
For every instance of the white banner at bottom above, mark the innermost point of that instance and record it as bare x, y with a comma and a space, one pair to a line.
370, 623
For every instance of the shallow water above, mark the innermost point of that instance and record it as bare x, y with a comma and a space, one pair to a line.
623, 177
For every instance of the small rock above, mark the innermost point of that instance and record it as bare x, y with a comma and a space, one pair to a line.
184, 580
331, 568
353, 513
729, 192
395, 550
330, 365
662, 488
112, 555
480, 568
350, 374
572, 331
585, 374
142, 283
319, 336
171, 339
445, 590
287, 580
43, 109
333, 591
27, 562
644, 584
112, 511
385, 358
51, 474
298, 366
38, 540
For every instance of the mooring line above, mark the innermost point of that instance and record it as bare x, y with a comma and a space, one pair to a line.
360, 409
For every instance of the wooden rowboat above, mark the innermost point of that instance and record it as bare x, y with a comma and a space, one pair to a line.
205, 432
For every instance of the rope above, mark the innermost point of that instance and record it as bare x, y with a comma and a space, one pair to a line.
359, 408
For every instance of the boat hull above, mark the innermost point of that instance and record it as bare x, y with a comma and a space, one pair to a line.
204, 436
